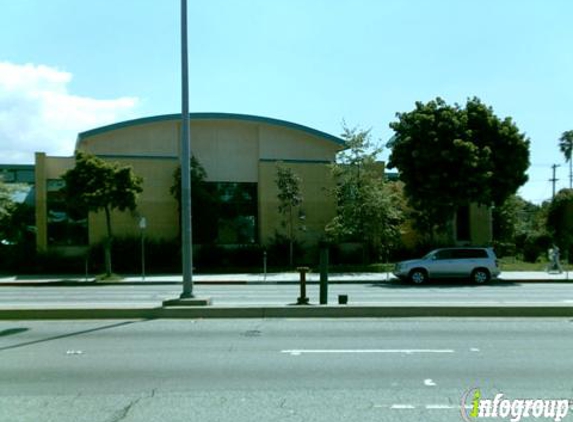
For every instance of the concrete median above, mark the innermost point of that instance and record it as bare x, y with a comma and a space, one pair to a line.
464, 311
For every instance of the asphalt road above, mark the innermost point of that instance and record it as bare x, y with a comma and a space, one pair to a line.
282, 294
270, 370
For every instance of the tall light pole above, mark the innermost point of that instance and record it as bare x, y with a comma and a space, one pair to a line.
186, 218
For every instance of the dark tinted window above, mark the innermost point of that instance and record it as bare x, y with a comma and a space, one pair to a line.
444, 254
469, 253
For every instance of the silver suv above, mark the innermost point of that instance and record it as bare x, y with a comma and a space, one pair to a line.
478, 264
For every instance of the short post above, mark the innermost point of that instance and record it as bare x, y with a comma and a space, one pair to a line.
142, 227
265, 265
87, 265
323, 273
302, 300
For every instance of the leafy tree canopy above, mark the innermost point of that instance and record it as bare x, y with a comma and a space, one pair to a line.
560, 218
368, 209
96, 185
450, 156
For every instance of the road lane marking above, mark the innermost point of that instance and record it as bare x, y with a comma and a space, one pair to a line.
407, 406
441, 407
298, 352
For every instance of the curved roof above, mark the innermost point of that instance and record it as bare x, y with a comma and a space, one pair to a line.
211, 116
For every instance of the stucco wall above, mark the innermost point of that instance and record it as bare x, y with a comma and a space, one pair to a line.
155, 203
230, 150
318, 205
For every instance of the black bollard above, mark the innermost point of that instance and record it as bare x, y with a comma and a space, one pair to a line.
323, 273
302, 300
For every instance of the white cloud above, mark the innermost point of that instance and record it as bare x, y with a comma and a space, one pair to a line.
37, 113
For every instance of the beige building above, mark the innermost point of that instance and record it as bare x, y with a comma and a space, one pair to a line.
239, 154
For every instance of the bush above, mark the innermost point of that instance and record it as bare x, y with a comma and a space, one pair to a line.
503, 249
535, 246
214, 257
161, 256
278, 251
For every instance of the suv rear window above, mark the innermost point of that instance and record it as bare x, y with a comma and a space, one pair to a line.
469, 253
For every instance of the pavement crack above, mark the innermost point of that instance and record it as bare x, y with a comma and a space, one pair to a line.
122, 413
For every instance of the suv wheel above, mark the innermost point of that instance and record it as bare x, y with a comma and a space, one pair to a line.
480, 276
418, 276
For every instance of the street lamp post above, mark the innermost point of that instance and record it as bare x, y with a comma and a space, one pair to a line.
187, 298
186, 218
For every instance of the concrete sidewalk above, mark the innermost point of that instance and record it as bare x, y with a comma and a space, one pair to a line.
125, 311
253, 278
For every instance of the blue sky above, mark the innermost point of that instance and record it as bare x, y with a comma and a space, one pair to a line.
69, 65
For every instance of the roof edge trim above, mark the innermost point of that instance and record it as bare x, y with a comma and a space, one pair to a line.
211, 116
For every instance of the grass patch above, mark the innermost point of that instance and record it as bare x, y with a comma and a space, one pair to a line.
513, 264
110, 278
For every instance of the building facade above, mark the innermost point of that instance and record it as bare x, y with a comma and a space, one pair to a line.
239, 153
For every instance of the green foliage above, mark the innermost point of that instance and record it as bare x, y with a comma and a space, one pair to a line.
535, 246
216, 258
566, 144
5, 199
566, 147
369, 210
290, 201
7, 208
513, 217
451, 156
161, 256
198, 176
16, 219
560, 219
279, 250
94, 185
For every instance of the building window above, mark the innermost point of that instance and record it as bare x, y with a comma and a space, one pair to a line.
225, 213
63, 230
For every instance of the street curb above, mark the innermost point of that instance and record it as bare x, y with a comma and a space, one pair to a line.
246, 282
259, 312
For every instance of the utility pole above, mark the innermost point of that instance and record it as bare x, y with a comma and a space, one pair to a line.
186, 237
554, 179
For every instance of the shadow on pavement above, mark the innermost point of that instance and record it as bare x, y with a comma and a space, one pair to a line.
62, 336
12, 331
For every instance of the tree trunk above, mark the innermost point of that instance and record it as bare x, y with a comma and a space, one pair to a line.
107, 243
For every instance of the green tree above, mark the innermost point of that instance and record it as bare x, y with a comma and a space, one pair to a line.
560, 219
566, 147
204, 203
369, 210
290, 202
452, 156
6, 206
96, 185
